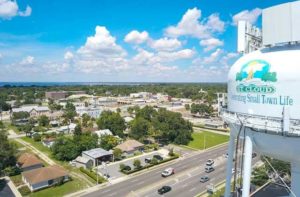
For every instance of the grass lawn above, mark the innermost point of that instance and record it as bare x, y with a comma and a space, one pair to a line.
66, 188
17, 180
211, 139
37, 145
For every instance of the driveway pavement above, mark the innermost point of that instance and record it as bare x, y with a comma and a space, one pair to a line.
113, 169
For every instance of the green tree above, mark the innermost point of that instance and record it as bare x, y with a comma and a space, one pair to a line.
65, 149
108, 142
187, 106
7, 152
20, 115
137, 163
139, 128
77, 130
37, 137
112, 121
43, 121
259, 176
85, 119
117, 154
4, 106
69, 112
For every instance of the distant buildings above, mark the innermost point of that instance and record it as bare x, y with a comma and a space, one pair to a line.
94, 112
57, 95
33, 110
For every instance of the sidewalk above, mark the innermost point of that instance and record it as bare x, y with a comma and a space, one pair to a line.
12, 187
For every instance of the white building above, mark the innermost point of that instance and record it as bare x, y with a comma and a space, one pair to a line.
94, 112
103, 132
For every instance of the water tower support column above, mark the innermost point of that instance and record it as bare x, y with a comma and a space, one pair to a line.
295, 172
229, 164
247, 166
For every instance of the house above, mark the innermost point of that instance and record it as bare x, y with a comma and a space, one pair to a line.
28, 161
44, 177
48, 142
98, 155
66, 129
103, 132
33, 110
94, 112
83, 162
130, 146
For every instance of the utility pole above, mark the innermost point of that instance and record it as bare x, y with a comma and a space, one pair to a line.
97, 170
204, 141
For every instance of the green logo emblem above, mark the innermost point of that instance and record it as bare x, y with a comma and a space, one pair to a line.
256, 69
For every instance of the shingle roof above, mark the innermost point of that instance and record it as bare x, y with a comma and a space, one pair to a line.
129, 145
44, 174
27, 160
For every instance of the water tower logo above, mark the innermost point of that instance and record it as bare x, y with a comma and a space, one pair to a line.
257, 71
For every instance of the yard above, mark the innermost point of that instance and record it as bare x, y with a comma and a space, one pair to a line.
205, 139
66, 188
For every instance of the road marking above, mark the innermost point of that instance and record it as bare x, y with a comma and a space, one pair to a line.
134, 181
105, 191
192, 189
184, 185
112, 194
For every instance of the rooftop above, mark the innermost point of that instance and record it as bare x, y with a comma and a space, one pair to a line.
96, 153
44, 174
27, 160
129, 145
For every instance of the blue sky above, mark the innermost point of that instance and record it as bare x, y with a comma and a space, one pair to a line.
122, 40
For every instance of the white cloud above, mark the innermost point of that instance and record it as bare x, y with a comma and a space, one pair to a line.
10, 8
213, 57
211, 43
29, 60
247, 15
68, 55
191, 25
102, 44
136, 37
27, 12
165, 44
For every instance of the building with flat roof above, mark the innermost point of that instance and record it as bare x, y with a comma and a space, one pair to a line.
98, 155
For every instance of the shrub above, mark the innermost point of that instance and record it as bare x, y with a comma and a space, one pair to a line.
137, 163
154, 161
24, 190
93, 175
122, 166
37, 137
171, 152
12, 171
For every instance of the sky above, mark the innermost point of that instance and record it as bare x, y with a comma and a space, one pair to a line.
122, 40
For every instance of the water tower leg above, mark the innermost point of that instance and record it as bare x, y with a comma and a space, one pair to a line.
247, 166
229, 165
295, 171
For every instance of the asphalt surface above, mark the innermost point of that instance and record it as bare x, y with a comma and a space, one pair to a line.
185, 182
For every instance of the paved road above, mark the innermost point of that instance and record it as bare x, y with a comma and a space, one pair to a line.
186, 169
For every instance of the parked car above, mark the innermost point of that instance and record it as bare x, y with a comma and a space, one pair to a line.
148, 160
210, 162
254, 155
164, 189
168, 172
158, 157
127, 168
209, 169
204, 179
226, 155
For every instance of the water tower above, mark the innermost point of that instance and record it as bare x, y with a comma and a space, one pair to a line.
264, 93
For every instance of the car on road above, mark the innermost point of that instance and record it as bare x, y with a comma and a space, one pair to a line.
210, 162
164, 189
204, 179
148, 160
168, 172
209, 169
158, 157
254, 155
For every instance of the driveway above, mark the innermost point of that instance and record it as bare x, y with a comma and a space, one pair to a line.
113, 169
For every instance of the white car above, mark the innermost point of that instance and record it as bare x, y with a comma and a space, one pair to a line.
168, 172
210, 162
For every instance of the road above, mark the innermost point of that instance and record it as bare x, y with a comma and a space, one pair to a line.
185, 182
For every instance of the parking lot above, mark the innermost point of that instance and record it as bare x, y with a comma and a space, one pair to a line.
113, 169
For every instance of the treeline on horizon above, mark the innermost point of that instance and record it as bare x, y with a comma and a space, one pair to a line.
179, 90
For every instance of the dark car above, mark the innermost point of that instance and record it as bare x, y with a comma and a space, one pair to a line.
127, 168
204, 179
158, 157
148, 160
254, 155
164, 189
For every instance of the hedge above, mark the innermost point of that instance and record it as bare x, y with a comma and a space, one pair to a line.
24, 190
93, 175
149, 165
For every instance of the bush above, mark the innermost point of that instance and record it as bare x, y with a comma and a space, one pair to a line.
93, 175
171, 152
24, 190
37, 137
12, 171
137, 163
136, 153
154, 161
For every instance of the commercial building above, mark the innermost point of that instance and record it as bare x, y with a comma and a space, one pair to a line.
98, 155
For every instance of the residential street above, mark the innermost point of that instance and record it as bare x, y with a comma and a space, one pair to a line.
188, 172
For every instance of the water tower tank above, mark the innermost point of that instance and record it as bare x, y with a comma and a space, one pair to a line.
264, 97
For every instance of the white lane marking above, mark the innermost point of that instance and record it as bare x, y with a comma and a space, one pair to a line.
112, 194
135, 180
192, 189
105, 191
